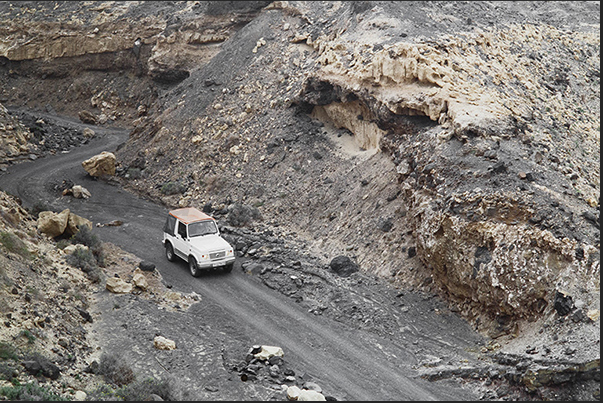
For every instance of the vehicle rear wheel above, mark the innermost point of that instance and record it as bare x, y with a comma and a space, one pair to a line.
169, 252
193, 267
228, 267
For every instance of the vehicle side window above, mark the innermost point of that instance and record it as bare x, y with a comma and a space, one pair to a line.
182, 230
170, 224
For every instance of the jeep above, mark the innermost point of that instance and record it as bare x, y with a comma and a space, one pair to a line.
194, 236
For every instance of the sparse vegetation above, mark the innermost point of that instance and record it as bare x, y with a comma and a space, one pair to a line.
7, 351
13, 244
8, 372
85, 236
172, 188
115, 371
27, 335
88, 260
63, 243
30, 391
140, 390
83, 259
38, 207
134, 173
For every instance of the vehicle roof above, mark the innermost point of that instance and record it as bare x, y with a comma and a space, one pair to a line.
190, 214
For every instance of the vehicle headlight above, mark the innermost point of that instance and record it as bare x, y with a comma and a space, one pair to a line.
229, 252
204, 256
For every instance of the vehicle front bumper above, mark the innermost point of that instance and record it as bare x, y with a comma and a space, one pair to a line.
210, 264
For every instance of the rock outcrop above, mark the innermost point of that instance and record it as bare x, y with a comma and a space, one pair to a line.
14, 138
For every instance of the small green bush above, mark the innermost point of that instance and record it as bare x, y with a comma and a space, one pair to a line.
82, 259
13, 244
102, 393
30, 391
8, 372
85, 236
134, 173
141, 390
114, 371
28, 335
63, 243
8, 351
39, 207
99, 255
172, 188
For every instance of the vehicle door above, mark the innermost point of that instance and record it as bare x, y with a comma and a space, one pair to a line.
181, 243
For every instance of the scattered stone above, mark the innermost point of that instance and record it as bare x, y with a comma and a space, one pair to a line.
88, 133
293, 392
69, 249
311, 396
118, 286
563, 303
140, 280
146, 266
385, 224
268, 351
87, 117
343, 266
312, 386
85, 314
162, 343
80, 192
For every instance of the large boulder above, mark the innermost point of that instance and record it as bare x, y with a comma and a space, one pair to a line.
74, 223
100, 165
343, 266
53, 224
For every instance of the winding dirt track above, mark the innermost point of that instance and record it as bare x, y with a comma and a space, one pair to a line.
347, 363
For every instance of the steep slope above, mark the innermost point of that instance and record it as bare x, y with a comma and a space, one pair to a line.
344, 125
445, 146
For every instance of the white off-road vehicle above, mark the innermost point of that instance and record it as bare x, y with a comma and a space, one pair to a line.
193, 236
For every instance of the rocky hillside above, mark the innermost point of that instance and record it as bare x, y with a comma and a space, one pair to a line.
474, 145
445, 146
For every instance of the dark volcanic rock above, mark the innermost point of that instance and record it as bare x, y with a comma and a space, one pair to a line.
563, 303
343, 266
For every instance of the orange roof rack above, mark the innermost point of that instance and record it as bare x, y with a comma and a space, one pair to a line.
190, 214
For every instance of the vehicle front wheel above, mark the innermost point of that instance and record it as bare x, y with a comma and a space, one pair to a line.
228, 267
193, 267
169, 252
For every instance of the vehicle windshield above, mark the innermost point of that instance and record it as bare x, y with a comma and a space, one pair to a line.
202, 228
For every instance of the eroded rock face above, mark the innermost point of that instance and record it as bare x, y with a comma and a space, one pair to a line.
483, 226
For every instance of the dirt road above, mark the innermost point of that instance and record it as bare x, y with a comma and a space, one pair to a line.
237, 310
